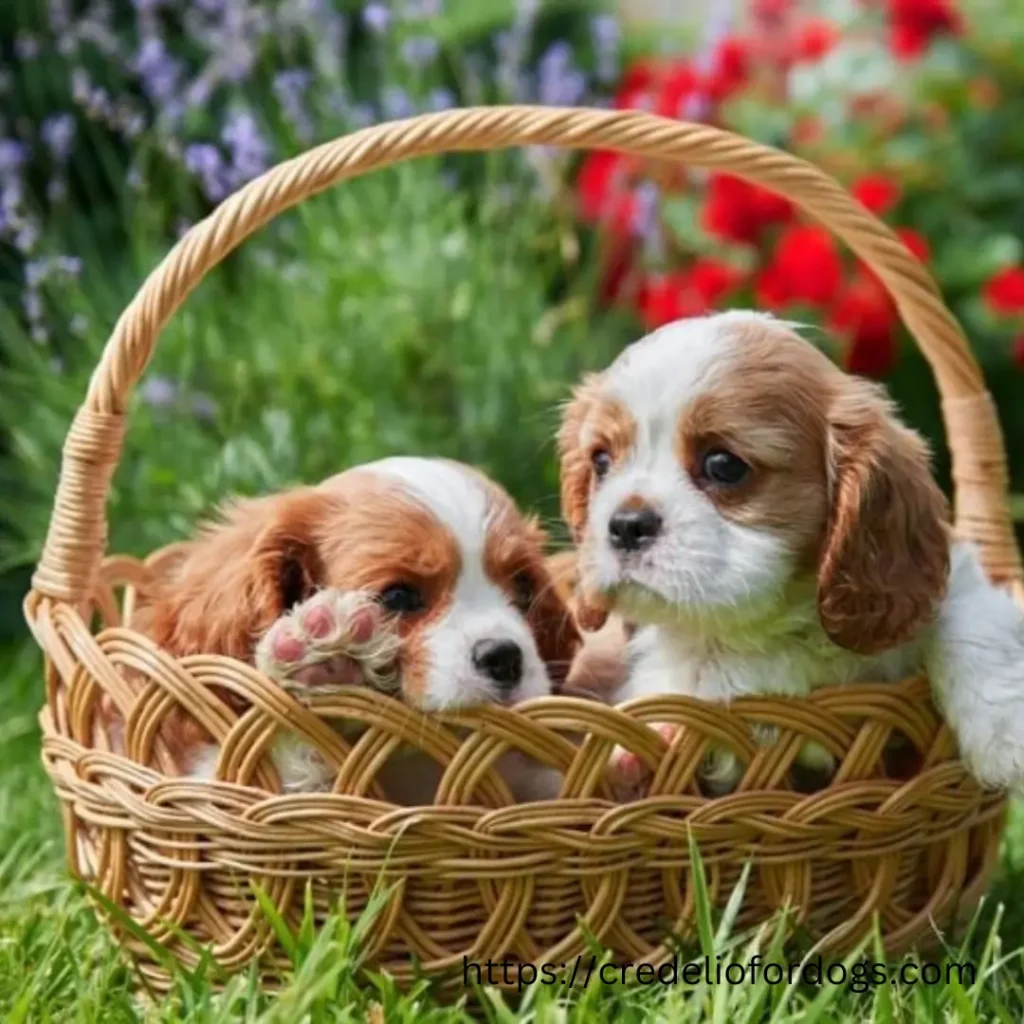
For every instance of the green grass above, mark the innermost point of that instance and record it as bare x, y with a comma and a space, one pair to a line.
58, 964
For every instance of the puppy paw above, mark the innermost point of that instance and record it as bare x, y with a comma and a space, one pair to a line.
335, 638
629, 775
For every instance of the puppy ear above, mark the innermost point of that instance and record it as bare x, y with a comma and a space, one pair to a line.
575, 469
240, 575
885, 558
550, 616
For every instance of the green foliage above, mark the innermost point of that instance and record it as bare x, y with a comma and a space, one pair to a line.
391, 315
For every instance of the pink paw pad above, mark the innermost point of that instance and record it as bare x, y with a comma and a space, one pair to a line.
363, 624
285, 646
319, 621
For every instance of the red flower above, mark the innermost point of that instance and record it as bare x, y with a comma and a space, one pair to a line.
877, 192
808, 264
1005, 291
667, 297
914, 23
730, 68
814, 39
736, 211
771, 290
638, 87
866, 315
676, 87
603, 188
916, 243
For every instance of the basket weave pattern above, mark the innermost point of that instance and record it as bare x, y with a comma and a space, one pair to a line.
475, 875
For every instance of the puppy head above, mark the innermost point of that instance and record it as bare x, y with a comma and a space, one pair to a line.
722, 465
444, 550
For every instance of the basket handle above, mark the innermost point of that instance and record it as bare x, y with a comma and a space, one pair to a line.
76, 538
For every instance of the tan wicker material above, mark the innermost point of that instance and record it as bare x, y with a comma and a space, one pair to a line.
475, 875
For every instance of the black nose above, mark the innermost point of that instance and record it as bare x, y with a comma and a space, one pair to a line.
632, 529
500, 660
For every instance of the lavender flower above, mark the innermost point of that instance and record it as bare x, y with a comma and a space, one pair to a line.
32, 303
440, 99
13, 153
559, 83
26, 46
376, 17
27, 238
71, 266
395, 102
56, 190
204, 407
419, 51
159, 392
250, 152
645, 224
36, 272
60, 16
205, 162
58, 133
159, 71
81, 86
79, 325
360, 115
605, 32
290, 88
198, 91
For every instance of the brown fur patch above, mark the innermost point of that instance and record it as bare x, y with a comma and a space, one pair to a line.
770, 411
885, 561
592, 421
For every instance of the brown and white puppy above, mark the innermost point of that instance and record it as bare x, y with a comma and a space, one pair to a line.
415, 575
773, 527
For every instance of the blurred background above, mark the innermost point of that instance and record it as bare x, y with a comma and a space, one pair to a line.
446, 305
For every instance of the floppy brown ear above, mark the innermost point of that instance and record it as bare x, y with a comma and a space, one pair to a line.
885, 558
574, 460
550, 617
240, 575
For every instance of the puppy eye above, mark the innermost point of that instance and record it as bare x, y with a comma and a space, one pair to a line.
601, 460
523, 588
722, 467
402, 599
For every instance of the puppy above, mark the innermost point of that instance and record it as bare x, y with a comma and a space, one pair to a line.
416, 576
772, 527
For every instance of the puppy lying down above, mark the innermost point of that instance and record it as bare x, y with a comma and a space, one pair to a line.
770, 526
416, 576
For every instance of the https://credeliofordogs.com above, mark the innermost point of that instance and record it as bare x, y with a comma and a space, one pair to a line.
859, 976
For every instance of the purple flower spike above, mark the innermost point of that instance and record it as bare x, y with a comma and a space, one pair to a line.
250, 152
206, 163
440, 99
13, 153
159, 71
395, 103
58, 133
204, 408
559, 83
607, 37
420, 51
36, 272
376, 17
159, 392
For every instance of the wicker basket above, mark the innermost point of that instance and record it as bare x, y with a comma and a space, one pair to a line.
475, 875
